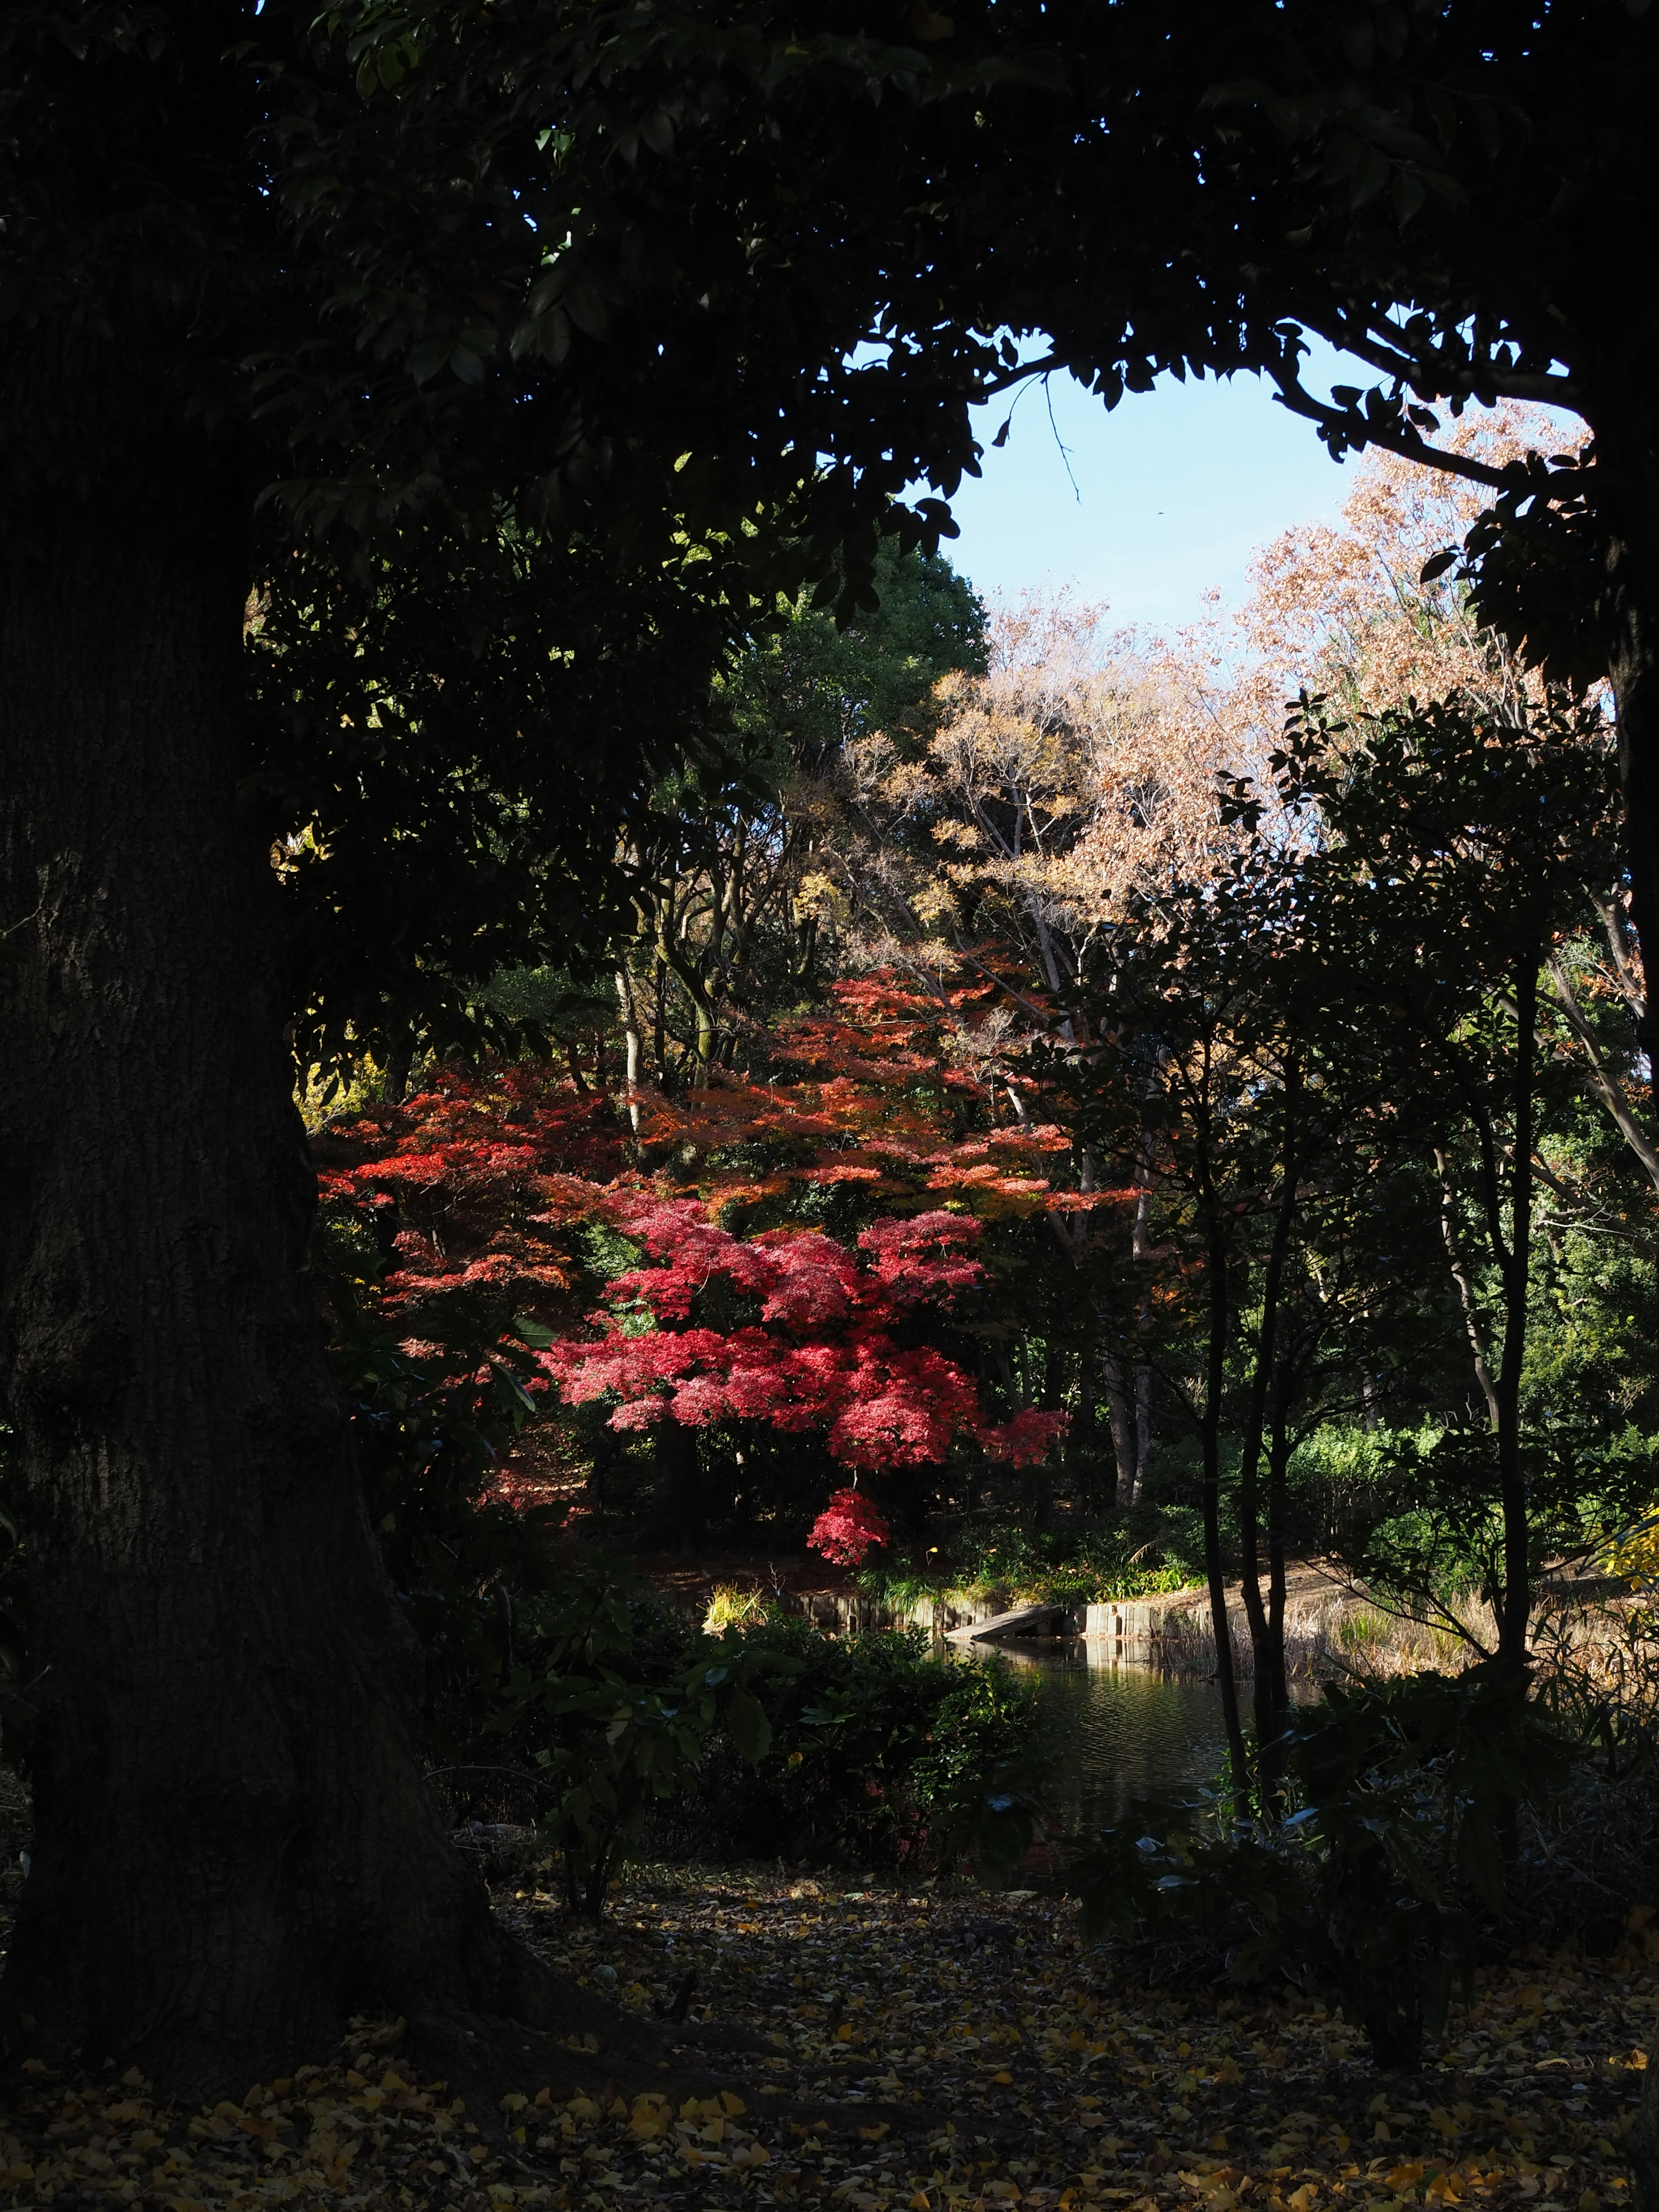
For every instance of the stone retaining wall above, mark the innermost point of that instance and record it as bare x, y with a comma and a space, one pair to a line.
1172, 1632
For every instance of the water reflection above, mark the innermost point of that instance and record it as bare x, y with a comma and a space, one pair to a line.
1120, 1732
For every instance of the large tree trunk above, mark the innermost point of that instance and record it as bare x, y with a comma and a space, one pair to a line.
1642, 2144
233, 1848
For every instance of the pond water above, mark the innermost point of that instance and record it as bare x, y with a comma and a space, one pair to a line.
1120, 1732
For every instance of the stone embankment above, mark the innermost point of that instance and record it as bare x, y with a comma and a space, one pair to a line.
1327, 1621
1171, 1631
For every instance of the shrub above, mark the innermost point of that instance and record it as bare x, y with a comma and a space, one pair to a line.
1377, 1893
881, 1754
627, 1729
729, 1607
609, 1734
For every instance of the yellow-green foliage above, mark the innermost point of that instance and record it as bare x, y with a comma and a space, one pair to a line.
1635, 1556
730, 1608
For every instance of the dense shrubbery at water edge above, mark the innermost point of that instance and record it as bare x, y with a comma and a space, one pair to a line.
622, 1726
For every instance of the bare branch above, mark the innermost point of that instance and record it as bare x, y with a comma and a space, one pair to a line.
1604, 1082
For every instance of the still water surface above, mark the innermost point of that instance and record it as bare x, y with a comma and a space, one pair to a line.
1119, 1733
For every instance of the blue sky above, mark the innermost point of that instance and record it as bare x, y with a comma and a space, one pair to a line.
1174, 490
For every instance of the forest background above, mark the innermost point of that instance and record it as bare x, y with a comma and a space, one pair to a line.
1048, 1120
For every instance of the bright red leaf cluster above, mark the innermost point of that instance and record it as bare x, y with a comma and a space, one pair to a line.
488, 1181
820, 1352
474, 1179
848, 1530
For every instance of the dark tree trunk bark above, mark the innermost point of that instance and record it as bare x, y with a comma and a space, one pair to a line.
1506, 1220
233, 1847
401, 1046
1274, 1758
1269, 1693
679, 1501
1642, 2144
1143, 1413
1120, 1417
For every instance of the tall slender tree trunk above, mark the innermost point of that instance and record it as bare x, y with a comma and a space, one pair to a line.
234, 1848
1269, 1696
1514, 1608
1116, 1390
631, 1045
1280, 1445
660, 1026
1474, 1323
1209, 1433
401, 1044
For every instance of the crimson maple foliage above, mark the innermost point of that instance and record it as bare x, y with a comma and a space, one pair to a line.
820, 1352
484, 1191
849, 1530
470, 1185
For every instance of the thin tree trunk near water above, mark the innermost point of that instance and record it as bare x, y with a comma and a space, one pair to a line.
1120, 1412
1143, 1414
1270, 1697
1210, 1445
233, 1847
1280, 1445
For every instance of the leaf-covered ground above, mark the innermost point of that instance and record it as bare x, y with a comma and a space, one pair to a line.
1002, 2061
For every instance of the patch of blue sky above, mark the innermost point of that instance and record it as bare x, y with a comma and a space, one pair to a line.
1149, 505
1155, 503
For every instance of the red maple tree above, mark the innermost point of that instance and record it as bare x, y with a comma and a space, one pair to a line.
490, 1183
811, 1347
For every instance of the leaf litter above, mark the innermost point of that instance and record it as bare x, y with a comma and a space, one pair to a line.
1002, 2062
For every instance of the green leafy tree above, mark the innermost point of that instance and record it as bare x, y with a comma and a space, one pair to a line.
1355, 994
1463, 849
722, 937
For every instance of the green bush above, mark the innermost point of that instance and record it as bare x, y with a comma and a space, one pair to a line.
614, 1724
1378, 1892
627, 1730
882, 1754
